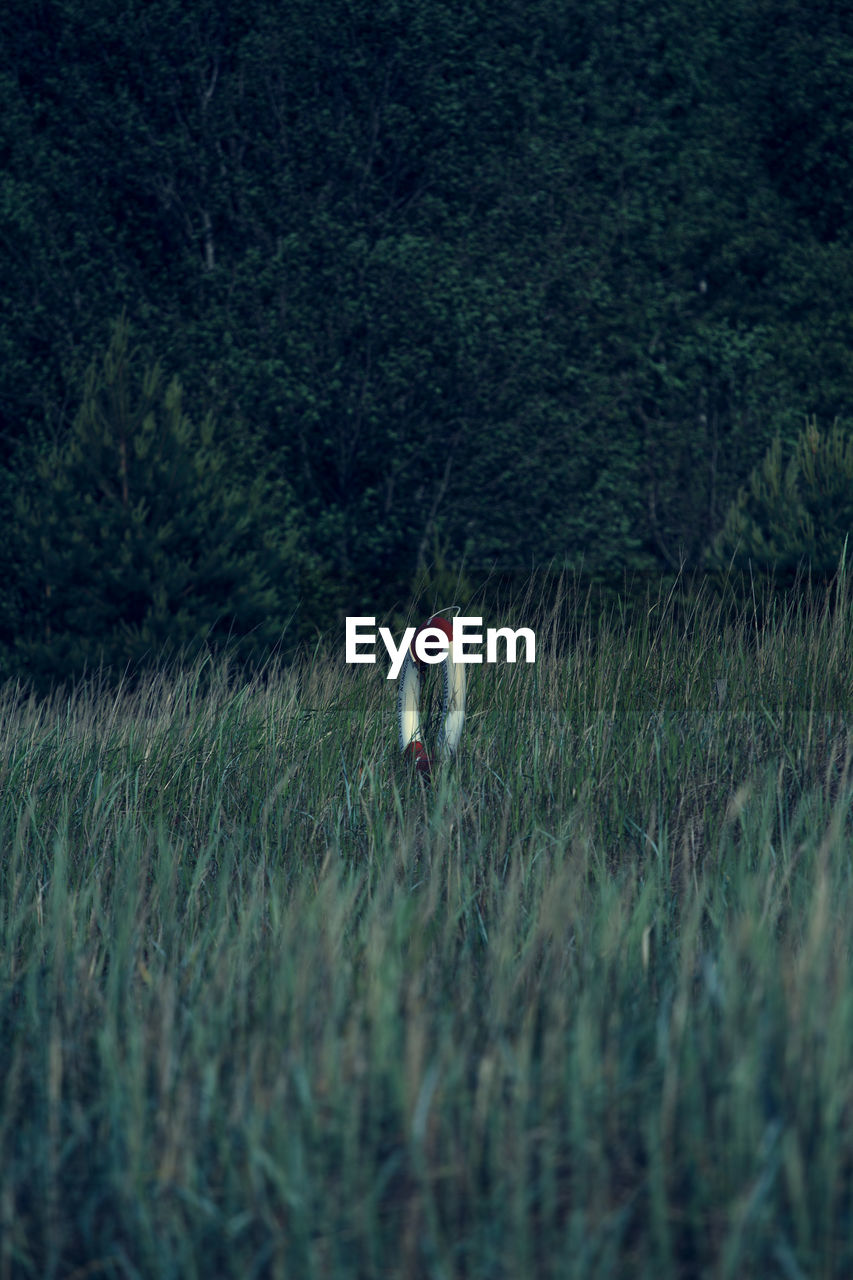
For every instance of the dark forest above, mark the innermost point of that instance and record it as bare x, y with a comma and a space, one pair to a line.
299, 300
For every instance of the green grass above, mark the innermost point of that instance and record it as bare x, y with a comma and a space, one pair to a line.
583, 1007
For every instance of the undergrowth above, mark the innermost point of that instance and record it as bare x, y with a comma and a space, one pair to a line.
272, 1005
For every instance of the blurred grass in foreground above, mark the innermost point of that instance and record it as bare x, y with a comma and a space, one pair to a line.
584, 1007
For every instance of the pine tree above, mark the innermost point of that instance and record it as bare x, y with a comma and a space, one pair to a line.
135, 540
792, 515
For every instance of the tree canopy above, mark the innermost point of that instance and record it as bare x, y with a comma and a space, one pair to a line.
541, 281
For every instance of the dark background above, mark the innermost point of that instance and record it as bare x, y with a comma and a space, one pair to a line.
504, 284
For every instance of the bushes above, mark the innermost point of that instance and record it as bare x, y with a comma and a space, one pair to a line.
794, 517
135, 536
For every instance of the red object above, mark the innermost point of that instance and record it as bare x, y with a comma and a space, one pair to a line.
418, 752
440, 624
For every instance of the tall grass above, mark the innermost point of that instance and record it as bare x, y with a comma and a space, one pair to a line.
270, 1005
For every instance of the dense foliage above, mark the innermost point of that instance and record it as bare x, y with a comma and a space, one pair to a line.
136, 538
540, 280
793, 513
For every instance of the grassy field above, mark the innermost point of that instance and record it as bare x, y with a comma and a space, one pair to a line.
583, 1007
